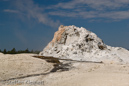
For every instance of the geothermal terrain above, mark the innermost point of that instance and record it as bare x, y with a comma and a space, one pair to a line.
75, 57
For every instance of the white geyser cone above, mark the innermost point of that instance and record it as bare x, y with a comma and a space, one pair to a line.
71, 42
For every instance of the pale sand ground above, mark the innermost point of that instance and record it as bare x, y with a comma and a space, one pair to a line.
91, 74
80, 74
12, 66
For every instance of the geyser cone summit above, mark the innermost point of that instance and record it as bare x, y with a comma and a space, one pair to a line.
76, 43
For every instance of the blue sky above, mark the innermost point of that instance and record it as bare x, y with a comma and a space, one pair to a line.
32, 23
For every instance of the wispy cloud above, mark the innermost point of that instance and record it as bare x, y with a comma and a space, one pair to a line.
115, 15
85, 9
28, 9
80, 14
11, 11
111, 9
95, 4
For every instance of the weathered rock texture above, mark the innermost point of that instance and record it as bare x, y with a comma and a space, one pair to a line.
76, 43
21, 65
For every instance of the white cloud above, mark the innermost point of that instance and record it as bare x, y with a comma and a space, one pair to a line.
85, 9
28, 9
81, 14
115, 15
96, 4
11, 11
111, 9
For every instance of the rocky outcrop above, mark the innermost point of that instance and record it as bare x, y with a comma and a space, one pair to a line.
76, 43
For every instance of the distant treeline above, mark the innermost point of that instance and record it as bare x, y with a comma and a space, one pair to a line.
13, 51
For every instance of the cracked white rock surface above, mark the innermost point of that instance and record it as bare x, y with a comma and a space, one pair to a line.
76, 43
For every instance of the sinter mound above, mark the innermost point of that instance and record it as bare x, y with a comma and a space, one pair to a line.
71, 42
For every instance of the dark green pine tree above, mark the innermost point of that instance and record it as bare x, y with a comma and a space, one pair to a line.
0, 50
27, 51
13, 51
5, 52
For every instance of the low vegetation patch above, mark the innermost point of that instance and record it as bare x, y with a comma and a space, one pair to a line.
14, 51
